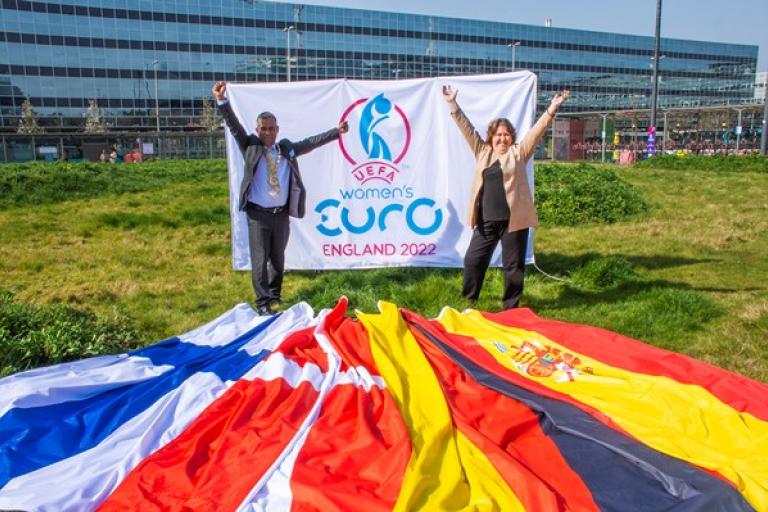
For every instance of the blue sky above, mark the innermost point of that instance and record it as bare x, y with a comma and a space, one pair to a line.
734, 21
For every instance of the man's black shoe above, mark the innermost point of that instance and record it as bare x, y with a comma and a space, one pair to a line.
263, 311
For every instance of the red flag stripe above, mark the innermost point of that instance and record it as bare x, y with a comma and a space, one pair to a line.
471, 349
355, 456
741, 393
215, 462
508, 432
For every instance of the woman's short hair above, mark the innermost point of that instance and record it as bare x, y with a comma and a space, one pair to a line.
494, 125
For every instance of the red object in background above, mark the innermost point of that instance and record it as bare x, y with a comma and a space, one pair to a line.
576, 140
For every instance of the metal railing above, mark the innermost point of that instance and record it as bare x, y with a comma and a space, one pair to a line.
78, 147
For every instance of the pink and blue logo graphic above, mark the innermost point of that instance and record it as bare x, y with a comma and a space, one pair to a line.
384, 135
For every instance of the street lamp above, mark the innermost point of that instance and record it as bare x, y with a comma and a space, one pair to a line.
157, 100
287, 31
655, 93
513, 45
602, 158
764, 136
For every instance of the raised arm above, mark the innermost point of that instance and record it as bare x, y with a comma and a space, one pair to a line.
473, 138
305, 146
219, 91
534, 135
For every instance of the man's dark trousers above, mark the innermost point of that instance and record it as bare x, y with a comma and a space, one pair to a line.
268, 231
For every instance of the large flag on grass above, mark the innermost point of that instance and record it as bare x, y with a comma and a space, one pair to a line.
385, 411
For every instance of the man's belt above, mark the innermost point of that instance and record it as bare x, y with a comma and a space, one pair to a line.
274, 210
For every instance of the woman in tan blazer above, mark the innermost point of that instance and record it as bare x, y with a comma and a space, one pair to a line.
501, 203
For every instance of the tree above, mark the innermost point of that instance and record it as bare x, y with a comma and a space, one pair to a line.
209, 119
28, 122
93, 121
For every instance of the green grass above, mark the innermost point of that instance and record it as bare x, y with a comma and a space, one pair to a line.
149, 255
37, 183
32, 335
568, 195
751, 163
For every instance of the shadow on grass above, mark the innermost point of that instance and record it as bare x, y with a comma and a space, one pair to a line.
426, 290
610, 292
606, 291
564, 264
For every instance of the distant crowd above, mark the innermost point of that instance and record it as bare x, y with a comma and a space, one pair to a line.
116, 154
592, 150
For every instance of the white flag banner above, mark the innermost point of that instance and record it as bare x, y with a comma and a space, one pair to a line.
394, 190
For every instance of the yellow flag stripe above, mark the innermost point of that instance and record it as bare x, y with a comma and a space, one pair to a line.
446, 471
682, 420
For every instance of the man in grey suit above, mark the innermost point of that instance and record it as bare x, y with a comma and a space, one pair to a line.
271, 191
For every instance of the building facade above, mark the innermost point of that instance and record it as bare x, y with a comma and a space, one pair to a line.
152, 63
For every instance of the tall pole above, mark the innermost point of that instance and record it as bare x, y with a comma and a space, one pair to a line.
764, 138
602, 159
655, 93
287, 31
738, 130
157, 100
513, 45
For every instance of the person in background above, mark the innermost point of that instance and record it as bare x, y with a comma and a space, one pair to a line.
103, 157
270, 192
501, 204
120, 153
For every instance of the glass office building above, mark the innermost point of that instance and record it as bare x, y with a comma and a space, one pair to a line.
132, 57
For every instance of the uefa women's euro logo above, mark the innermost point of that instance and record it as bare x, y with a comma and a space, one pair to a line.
384, 135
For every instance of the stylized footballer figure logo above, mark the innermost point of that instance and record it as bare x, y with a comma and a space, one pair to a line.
383, 129
376, 111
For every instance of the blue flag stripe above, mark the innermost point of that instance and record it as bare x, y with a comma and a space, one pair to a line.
31, 438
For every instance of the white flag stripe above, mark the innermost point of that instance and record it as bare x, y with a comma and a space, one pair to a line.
76, 382
88, 377
83, 481
334, 361
273, 493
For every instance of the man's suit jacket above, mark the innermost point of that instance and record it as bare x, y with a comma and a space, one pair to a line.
253, 150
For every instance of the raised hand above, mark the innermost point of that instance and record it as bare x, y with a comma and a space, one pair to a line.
449, 94
559, 98
219, 90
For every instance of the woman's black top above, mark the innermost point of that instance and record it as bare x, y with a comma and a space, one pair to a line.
494, 205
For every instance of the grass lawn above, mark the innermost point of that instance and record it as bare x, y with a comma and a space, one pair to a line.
690, 275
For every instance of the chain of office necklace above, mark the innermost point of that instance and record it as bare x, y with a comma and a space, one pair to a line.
272, 166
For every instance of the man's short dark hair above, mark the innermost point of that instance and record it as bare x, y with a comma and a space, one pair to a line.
265, 115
